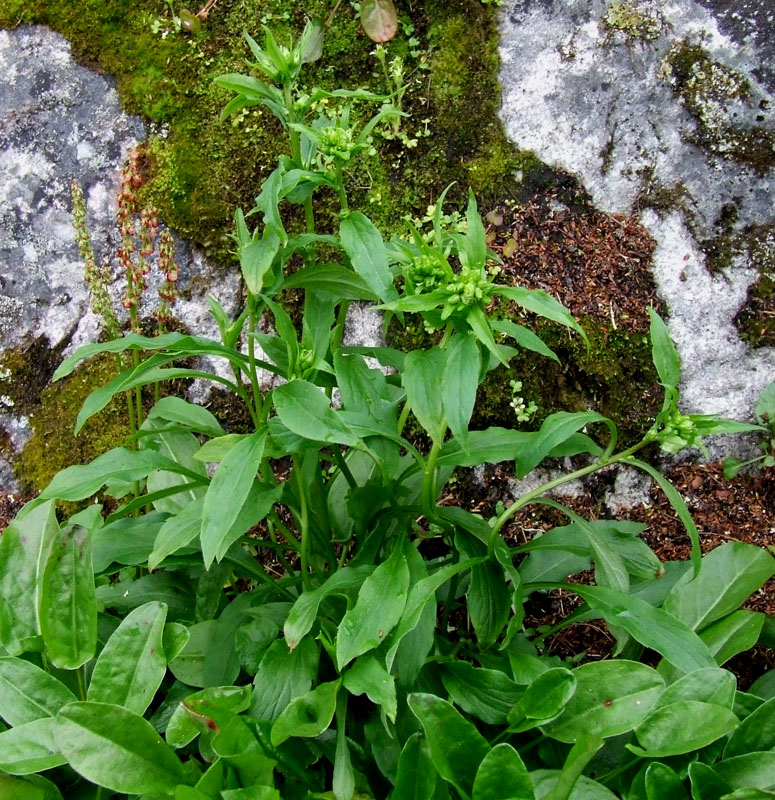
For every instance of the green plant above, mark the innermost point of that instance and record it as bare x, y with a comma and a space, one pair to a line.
296, 612
765, 415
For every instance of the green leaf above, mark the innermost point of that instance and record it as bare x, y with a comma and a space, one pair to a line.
422, 379
24, 549
32, 788
308, 715
488, 694
189, 415
29, 748
304, 611
663, 353
419, 596
524, 337
756, 732
132, 664
127, 466
206, 710
282, 676
548, 694
460, 382
729, 574
580, 755
752, 770
489, 602
188, 666
257, 256
502, 775
539, 302
367, 676
706, 685
611, 697
333, 278
415, 775
174, 639
227, 494
556, 429
457, 748
68, 605
117, 749
546, 780
381, 601
177, 532
306, 411
652, 627
663, 784
127, 541
734, 634
364, 247
681, 727
28, 693
706, 783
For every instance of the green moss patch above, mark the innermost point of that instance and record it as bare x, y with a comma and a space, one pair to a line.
52, 445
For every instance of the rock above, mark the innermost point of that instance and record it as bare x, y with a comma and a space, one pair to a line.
612, 93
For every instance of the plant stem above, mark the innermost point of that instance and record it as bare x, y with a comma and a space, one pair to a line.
429, 481
344, 469
341, 191
341, 321
403, 418
81, 683
303, 523
528, 498
257, 400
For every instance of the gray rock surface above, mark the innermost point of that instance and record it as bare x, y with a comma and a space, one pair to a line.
58, 122
599, 103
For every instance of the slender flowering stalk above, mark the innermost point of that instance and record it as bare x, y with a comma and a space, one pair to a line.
168, 291
96, 279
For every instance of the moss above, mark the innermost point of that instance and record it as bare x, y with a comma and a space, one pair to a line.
710, 91
200, 169
53, 446
756, 319
614, 376
635, 22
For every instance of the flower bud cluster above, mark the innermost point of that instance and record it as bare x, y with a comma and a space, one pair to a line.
336, 144
679, 432
426, 274
469, 288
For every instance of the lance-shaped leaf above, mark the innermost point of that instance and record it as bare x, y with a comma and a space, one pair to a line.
132, 664
112, 747
459, 384
228, 492
611, 697
68, 603
24, 549
652, 627
368, 676
663, 353
423, 378
539, 302
29, 748
415, 775
28, 693
364, 247
333, 278
457, 748
305, 410
665, 731
381, 601
728, 575
488, 694
304, 611
502, 775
